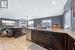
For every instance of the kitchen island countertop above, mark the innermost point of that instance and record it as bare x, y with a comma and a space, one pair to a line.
69, 32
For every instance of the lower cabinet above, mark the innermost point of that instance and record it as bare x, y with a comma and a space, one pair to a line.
49, 40
71, 43
52, 40
17, 32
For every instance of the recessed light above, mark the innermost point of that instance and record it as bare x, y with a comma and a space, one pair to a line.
53, 2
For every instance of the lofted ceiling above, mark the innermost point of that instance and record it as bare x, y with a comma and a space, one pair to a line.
32, 9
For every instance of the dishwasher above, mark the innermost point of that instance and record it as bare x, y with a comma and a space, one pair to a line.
28, 34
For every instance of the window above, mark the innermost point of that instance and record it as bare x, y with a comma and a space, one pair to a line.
31, 23
8, 23
46, 23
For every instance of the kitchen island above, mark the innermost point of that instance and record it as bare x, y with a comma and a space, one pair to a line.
11, 32
53, 39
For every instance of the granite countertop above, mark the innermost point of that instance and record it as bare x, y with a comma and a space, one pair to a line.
67, 31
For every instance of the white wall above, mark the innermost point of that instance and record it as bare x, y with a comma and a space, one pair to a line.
32, 8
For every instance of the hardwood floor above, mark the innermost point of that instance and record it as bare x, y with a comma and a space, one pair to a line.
18, 44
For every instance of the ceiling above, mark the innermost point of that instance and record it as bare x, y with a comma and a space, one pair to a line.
32, 9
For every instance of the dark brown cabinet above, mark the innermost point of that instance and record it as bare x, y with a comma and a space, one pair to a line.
43, 39
53, 40
17, 32
71, 43
59, 43
49, 40
57, 40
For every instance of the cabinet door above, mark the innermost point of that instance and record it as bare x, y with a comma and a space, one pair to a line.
59, 43
33, 36
40, 36
47, 40
71, 43
37, 36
